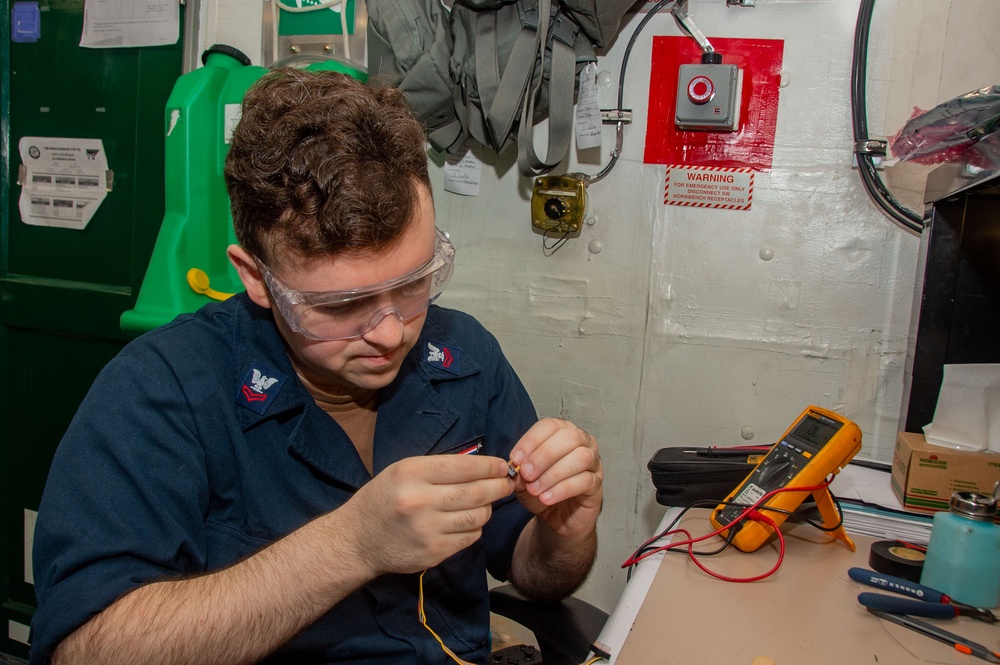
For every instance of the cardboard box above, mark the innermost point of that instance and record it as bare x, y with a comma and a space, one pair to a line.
924, 476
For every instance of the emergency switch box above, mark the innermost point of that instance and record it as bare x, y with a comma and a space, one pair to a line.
708, 97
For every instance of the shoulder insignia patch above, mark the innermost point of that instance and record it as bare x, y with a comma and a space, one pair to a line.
259, 388
443, 356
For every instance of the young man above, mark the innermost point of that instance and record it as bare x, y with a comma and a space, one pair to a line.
315, 470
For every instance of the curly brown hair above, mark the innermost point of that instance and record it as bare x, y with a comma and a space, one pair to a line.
322, 164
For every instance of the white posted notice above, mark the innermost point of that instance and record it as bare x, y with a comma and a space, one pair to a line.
726, 188
63, 181
463, 172
126, 23
588, 110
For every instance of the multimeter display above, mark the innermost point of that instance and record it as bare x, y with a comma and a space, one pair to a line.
817, 444
814, 431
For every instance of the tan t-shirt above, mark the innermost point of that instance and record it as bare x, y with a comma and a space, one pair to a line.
355, 415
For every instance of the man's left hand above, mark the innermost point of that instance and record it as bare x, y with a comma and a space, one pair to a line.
561, 476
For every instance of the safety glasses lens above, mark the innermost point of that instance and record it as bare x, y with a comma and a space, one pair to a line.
342, 315
352, 318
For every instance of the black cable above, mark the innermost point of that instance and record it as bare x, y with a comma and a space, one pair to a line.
648, 545
549, 250
631, 42
795, 516
859, 117
730, 535
621, 87
706, 503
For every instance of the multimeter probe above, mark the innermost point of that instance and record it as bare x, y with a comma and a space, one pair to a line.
754, 513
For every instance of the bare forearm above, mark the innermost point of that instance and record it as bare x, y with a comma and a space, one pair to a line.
236, 615
549, 567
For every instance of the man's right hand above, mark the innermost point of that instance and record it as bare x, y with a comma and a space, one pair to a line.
421, 510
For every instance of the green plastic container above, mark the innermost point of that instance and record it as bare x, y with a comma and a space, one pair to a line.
197, 225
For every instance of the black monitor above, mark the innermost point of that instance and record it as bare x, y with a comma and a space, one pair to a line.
957, 300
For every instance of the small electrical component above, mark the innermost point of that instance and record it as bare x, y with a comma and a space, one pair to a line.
601, 649
512, 469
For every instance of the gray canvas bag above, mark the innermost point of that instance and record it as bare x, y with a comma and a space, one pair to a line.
489, 69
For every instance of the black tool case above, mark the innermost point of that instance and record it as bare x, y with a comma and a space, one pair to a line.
682, 475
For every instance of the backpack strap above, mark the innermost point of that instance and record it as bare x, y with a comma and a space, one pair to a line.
512, 95
562, 83
503, 95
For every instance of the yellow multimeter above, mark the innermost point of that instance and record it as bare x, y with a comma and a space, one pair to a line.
818, 443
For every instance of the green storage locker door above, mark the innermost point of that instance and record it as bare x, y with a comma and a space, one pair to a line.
62, 291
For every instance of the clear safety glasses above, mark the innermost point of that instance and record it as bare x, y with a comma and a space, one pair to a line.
333, 315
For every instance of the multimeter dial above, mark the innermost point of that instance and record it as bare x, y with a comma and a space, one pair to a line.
780, 465
773, 472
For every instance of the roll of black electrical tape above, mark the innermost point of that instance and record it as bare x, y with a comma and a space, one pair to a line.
893, 558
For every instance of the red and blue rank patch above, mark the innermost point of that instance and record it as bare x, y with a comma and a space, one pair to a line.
259, 387
444, 356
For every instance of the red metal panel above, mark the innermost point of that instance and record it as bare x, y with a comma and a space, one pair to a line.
752, 145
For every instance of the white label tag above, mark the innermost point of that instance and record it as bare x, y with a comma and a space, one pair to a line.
750, 495
462, 173
588, 111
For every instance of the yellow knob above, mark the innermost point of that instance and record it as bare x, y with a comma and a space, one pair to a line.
198, 280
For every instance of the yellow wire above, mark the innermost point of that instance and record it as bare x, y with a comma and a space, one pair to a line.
423, 620
451, 654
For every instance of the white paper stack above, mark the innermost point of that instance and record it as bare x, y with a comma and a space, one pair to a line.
871, 509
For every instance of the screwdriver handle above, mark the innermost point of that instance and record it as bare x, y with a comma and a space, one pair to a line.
881, 601
898, 585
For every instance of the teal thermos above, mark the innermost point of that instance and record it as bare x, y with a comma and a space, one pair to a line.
963, 556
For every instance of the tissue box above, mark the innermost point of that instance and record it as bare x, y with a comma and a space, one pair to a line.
925, 475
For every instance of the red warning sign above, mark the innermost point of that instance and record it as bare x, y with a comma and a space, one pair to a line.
725, 188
